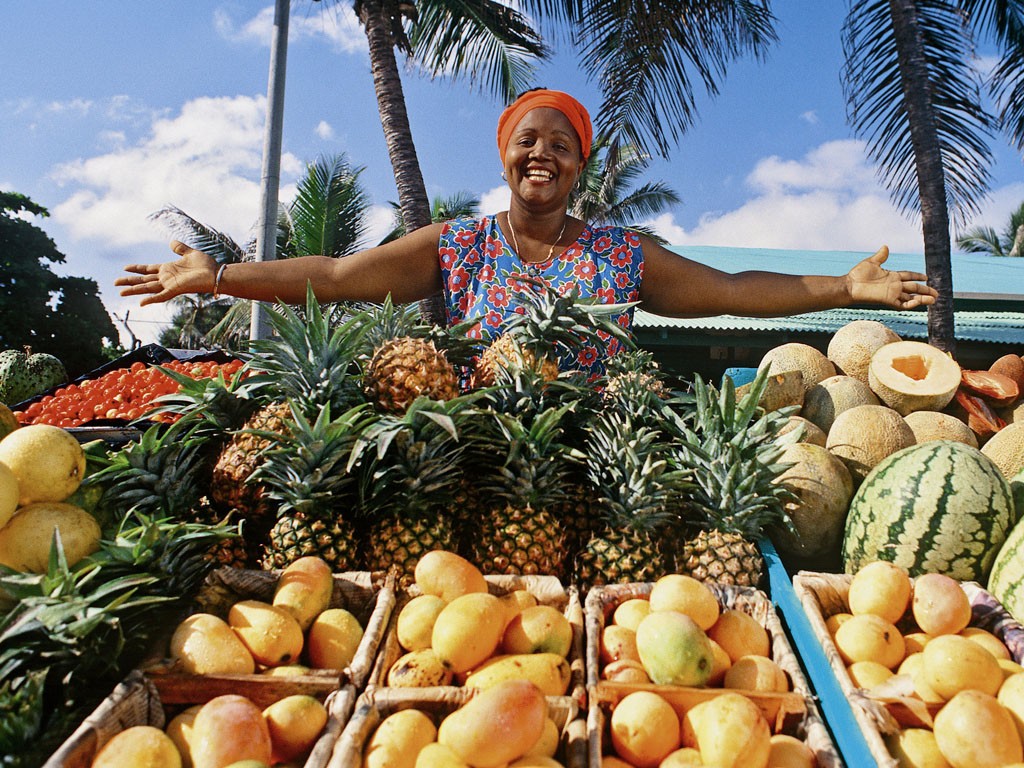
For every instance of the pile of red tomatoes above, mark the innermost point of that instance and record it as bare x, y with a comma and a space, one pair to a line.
122, 393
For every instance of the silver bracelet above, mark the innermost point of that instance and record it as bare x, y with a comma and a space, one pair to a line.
216, 281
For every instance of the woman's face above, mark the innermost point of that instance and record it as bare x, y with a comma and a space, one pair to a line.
543, 158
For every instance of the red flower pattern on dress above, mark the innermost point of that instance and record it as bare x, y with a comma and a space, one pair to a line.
480, 282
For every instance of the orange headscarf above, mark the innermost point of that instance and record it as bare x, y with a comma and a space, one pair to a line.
575, 112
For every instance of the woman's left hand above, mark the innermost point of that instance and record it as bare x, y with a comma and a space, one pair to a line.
869, 283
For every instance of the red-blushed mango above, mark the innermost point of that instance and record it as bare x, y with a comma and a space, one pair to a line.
228, 729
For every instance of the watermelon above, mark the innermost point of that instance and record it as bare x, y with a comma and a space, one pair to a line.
938, 507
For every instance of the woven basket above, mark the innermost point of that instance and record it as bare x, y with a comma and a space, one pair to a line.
376, 704
547, 589
826, 594
795, 713
137, 701
369, 597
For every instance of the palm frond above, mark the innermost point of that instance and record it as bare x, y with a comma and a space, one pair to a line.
878, 109
981, 240
1003, 22
492, 45
328, 214
220, 247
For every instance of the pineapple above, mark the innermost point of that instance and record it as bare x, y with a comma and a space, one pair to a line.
309, 367
634, 382
310, 472
404, 364
520, 531
551, 326
411, 479
733, 454
633, 489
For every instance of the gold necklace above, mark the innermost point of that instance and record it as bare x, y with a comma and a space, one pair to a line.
515, 240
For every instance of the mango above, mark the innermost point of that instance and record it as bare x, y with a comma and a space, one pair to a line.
227, 729
548, 671
740, 634
547, 744
539, 629
730, 732
399, 739
625, 671
674, 649
140, 745
448, 575
180, 731
617, 642
973, 729
439, 756
26, 539
419, 669
295, 723
304, 589
628, 613
468, 630
496, 726
333, 639
204, 644
271, 634
415, 621
687, 595
644, 729
516, 601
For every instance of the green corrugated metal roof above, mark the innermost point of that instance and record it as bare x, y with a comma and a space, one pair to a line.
990, 327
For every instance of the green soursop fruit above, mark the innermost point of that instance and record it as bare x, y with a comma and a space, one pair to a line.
23, 374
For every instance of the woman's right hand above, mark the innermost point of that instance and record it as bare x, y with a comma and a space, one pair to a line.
194, 272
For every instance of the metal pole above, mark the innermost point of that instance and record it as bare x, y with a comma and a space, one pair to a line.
266, 231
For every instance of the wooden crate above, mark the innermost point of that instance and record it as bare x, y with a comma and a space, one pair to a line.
825, 594
369, 597
795, 712
377, 703
137, 701
547, 589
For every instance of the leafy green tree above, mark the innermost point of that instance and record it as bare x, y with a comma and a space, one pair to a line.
443, 208
605, 195
61, 316
984, 239
329, 216
913, 94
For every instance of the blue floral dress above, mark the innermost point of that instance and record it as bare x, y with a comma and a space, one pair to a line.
481, 273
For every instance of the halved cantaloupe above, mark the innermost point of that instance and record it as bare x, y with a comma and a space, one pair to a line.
913, 376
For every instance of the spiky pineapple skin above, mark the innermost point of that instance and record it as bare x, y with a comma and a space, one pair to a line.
622, 556
293, 536
505, 354
723, 558
520, 541
397, 543
405, 368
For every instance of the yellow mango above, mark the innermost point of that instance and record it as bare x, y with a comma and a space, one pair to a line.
180, 731
295, 723
140, 745
468, 630
205, 645
271, 634
304, 589
439, 756
497, 726
419, 669
333, 639
538, 629
548, 671
398, 740
730, 732
415, 621
448, 575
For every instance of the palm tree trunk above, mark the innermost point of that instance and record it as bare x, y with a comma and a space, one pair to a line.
930, 174
387, 83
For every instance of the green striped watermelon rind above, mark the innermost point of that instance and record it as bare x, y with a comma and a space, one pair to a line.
1006, 581
936, 507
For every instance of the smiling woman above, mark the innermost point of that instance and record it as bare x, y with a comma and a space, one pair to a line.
544, 141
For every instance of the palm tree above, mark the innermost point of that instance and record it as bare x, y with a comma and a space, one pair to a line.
911, 92
603, 194
329, 216
986, 240
442, 208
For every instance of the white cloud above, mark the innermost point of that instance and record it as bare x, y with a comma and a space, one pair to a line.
206, 161
335, 22
76, 106
810, 116
495, 199
324, 130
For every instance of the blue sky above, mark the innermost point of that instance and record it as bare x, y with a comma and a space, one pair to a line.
110, 111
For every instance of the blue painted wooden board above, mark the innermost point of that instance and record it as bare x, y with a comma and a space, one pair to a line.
835, 708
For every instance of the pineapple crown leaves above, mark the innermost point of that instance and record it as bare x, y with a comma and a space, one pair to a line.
416, 464
315, 462
627, 466
733, 451
218, 403
159, 474
309, 362
386, 321
551, 322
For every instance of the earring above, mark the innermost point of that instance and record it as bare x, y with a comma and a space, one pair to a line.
503, 176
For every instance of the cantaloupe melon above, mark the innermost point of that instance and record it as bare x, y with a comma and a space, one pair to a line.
1006, 449
913, 376
1011, 366
935, 425
1012, 415
864, 435
809, 431
824, 488
827, 399
780, 390
795, 356
852, 346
